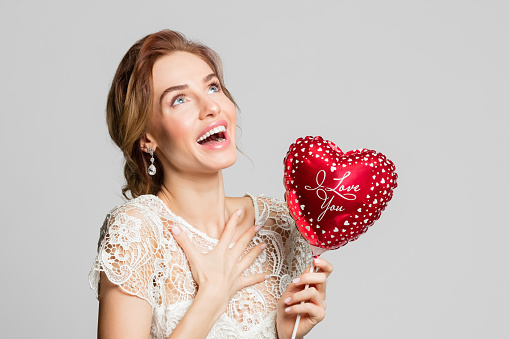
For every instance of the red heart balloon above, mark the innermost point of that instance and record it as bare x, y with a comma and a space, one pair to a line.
334, 196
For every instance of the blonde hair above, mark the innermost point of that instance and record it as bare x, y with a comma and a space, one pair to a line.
129, 105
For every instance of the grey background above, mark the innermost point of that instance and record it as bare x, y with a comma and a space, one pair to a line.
425, 83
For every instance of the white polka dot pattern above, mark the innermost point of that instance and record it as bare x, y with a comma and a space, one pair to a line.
334, 196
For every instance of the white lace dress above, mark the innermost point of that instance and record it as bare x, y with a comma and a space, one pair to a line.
137, 252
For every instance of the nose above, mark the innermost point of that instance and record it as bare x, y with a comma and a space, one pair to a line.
209, 107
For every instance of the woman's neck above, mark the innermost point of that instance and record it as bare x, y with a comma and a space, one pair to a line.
199, 200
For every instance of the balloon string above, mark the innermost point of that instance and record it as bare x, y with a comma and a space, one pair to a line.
302, 302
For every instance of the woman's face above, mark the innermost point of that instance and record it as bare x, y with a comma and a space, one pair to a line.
193, 122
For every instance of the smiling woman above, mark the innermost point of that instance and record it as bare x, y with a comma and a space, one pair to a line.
131, 102
191, 106
179, 259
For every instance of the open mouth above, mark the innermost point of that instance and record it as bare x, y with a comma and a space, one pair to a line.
216, 134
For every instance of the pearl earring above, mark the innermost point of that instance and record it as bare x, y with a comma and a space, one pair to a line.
151, 169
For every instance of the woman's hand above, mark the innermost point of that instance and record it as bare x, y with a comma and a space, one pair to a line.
312, 310
218, 272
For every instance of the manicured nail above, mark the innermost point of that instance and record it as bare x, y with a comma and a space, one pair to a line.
287, 300
175, 230
317, 261
296, 280
239, 212
267, 277
257, 228
264, 246
287, 309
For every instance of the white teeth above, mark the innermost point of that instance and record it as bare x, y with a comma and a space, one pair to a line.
215, 130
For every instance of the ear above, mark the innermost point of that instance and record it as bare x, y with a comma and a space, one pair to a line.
147, 141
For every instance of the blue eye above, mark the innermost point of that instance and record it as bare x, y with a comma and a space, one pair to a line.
178, 101
213, 89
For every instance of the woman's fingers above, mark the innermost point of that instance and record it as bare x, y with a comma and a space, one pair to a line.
313, 278
229, 231
308, 301
250, 257
241, 244
324, 266
184, 242
223, 266
252, 280
315, 312
308, 295
316, 279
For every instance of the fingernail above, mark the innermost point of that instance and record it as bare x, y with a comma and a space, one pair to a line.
287, 309
267, 277
239, 212
257, 228
317, 261
287, 300
264, 246
296, 280
175, 230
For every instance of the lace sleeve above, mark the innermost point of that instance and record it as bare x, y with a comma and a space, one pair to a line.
129, 253
293, 253
299, 251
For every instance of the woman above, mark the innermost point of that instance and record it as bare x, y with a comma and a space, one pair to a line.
181, 260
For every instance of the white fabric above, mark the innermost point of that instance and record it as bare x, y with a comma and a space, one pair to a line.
138, 252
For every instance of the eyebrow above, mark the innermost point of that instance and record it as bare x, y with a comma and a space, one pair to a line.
181, 87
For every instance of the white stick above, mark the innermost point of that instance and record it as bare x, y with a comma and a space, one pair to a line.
302, 302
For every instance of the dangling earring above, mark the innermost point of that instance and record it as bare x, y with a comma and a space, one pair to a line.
151, 169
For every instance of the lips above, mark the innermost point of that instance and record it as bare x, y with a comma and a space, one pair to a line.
214, 135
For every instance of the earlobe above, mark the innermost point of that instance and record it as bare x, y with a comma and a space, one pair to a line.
146, 142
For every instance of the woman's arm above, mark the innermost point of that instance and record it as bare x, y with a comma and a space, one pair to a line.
125, 316
121, 315
217, 273
312, 310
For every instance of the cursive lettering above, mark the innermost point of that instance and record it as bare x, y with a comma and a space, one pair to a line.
328, 206
340, 190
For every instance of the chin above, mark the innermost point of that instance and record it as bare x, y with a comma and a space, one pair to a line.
230, 162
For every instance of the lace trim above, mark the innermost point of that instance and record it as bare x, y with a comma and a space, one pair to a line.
137, 252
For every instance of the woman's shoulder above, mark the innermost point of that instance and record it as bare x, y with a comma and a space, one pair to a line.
131, 245
263, 202
140, 205
141, 216
270, 210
